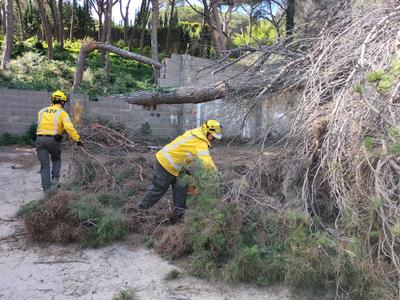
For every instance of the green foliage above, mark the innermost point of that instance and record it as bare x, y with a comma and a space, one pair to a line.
394, 133
368, 143
376, 203
13, 139
375, 76
145, 129
173, 274
105, 226
395, 148
111, 228
385, 84
358, 88
263, 33
32, 70
264, 248
125, 295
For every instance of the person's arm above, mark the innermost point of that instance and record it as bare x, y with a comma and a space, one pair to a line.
69, 128
203, 154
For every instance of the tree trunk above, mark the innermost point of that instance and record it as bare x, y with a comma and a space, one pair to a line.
171, 19
2, 17
228, 18
125, 19
210, 19
21, 20
290, 10
88, 47
143, 26
71, 28
100, 33
54, 15
251, 21
61, 23
9, 34
108, 17
188, 94
154, 29
217, 24
46, 29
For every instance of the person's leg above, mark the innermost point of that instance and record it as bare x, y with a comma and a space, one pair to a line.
179, 193
161, 181
43, 156
55, 154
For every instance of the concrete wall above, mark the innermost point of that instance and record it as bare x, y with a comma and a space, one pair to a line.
19, 110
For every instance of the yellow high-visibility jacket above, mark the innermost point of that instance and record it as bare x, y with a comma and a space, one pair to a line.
181, 151
54, 120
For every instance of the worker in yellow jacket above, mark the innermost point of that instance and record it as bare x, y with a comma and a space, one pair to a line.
171, 159
52, 122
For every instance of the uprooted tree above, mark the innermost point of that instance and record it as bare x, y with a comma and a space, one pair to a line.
88, 46
341, 160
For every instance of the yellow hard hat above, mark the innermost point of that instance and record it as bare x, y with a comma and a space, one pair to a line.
212, 127
58, 97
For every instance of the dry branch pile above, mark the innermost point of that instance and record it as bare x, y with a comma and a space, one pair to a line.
341, 162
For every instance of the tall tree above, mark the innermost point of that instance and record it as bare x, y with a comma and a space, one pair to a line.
154, 37
211, 17
71, 28
46, 29
2, 17
143, 24
99, 8
9, 34
21, 21
137, 24
61, 23
54, 15
290, 10
170, 25
125, 18
107, 36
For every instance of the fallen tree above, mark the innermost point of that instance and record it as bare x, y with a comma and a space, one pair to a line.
187, 94
88, 46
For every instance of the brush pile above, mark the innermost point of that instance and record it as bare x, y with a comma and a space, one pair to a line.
99, 205
341, 160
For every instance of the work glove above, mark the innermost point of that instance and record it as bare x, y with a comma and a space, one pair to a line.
80, 144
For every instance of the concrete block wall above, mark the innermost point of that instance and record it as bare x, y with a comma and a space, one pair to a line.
19, 108
164, 120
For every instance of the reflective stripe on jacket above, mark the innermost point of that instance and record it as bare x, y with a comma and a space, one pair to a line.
181, 151
54, 120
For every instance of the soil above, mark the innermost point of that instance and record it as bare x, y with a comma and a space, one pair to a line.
33, 271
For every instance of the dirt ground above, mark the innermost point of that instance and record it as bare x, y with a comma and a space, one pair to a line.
32, 271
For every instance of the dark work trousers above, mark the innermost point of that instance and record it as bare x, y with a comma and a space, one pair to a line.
46, 145
161, 181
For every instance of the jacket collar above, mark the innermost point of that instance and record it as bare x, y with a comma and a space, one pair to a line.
56, 106
197, 132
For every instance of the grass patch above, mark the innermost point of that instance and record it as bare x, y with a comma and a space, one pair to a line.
172, 275
27, 138
125, 295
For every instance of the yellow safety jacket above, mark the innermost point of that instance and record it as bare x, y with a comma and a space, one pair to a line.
181, 151
54, 120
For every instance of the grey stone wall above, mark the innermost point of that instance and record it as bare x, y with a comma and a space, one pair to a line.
19, 110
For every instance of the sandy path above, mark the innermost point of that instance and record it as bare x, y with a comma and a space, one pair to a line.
30, 271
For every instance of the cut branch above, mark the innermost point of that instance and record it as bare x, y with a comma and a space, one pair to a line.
88, 47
